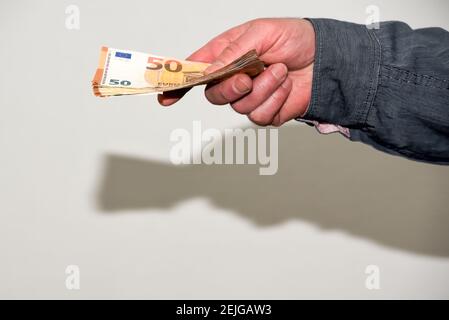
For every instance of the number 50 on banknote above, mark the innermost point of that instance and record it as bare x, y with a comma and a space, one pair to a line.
124, 72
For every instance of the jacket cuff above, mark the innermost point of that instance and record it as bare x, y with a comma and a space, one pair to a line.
345, 75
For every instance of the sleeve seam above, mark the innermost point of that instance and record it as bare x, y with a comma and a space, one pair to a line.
416, 79
375, 71
389, 67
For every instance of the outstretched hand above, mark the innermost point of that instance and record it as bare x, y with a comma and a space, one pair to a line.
282, 91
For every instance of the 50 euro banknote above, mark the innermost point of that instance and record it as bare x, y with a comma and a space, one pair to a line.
124, 72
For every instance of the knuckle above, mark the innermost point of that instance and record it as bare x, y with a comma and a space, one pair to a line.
259, 22
216, 96
268, 84
240, 108
263, 86
237, 108
224, 95
277, 120
278, 73
233, 49
259, 118
241, 85
247, 104
278, 96
210, 96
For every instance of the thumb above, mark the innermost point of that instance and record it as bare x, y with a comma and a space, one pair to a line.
234, 50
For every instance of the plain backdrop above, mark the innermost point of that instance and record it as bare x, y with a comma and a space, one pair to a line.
87, 181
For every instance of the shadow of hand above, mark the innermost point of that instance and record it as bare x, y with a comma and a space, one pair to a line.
326, 181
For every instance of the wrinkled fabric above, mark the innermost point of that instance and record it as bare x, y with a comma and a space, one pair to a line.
389, 87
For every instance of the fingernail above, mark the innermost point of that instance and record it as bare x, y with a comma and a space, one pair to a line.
279, 71
242, 86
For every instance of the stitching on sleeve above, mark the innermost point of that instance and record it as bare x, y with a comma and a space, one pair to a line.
406, 76
362, 115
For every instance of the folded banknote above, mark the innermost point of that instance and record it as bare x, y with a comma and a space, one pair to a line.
124, 72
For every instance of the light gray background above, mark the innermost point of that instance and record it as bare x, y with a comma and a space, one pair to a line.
87, 181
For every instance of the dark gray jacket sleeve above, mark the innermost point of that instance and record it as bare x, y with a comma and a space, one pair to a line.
389, 86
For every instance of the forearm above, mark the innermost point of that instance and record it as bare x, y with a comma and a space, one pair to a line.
389, 86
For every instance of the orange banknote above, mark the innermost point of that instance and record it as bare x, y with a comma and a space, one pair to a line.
124, 72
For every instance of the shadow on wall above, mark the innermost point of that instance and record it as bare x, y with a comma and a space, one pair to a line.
324, 180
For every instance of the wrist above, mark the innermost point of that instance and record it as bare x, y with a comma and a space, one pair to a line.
308, 39
345, 73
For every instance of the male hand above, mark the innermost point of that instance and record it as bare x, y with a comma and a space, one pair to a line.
282, 91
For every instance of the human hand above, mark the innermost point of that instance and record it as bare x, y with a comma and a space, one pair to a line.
282, 91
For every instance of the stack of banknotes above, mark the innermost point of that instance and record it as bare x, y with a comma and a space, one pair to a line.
124, 72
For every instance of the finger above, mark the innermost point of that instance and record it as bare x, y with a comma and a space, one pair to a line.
298, 99
229, 90
263, 87
265, 113
291, 108
170, 97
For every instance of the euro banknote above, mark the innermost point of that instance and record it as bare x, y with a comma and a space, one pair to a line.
124, 72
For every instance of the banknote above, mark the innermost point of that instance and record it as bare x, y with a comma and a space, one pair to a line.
124, 72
